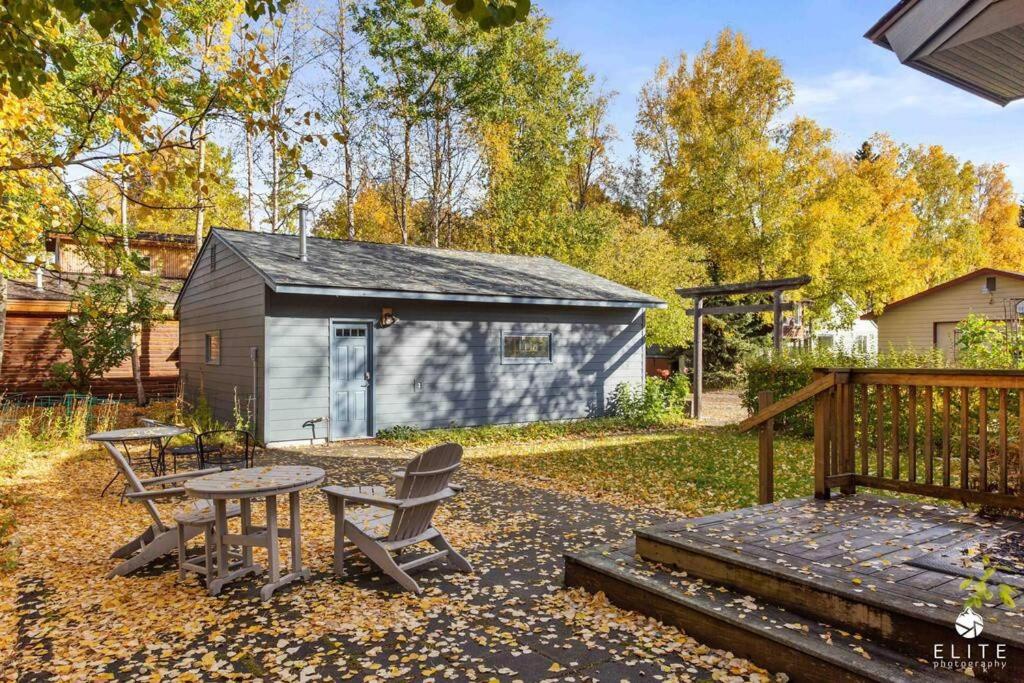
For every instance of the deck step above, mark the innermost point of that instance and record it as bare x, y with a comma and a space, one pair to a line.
905, 619
767, 634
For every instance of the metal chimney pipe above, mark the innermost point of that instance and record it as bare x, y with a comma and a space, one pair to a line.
39, 278
302, 208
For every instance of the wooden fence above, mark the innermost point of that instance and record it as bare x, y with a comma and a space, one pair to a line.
952, 434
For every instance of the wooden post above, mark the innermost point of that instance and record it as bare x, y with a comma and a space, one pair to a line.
698, 356
844, 401
765, 454
822, 421
777, 320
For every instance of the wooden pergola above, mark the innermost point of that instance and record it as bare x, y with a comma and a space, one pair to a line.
776, 287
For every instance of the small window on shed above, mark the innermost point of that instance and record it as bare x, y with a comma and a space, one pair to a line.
526, 348
213, 257
213, 348
990, 284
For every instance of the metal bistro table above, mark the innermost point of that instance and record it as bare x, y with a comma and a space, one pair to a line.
244, 485
161, 435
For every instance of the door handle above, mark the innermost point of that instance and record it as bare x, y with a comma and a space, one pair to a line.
366, 379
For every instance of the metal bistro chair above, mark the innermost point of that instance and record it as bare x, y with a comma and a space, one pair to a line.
228, 448
153, 456
187, 452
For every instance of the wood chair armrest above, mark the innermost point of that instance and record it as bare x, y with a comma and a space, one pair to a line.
443, 494
156, 495
180, 476
398, 475
364, 498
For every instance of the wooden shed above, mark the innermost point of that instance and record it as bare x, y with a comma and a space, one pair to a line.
361, 336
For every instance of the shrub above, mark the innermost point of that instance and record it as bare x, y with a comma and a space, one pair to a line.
398, 433
787, 372
657, 401
984, 343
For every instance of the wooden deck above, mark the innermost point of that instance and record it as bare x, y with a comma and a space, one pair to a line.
889, 570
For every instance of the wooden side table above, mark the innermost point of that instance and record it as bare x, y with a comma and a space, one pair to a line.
244, 485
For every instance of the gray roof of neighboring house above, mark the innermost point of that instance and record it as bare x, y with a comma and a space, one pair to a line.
62, 286
369, 269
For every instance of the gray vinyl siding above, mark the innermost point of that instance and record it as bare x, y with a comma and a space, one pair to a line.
231, 299
453, 352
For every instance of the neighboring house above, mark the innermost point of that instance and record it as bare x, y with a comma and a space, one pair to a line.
362, 336
927, 320
861, 336
31, 347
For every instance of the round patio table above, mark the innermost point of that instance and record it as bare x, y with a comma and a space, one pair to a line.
161, 435
244, 485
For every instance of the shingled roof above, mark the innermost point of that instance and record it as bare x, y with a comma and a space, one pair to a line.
62, 287
369, 269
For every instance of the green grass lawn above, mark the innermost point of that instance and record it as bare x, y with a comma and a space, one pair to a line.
695, 471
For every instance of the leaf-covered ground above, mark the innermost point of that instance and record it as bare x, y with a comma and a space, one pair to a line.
61, 619
693, 471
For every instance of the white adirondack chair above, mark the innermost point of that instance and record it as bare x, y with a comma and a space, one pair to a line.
388, 525
159, 538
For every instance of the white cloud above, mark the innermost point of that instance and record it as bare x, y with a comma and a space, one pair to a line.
915, 109
861, 92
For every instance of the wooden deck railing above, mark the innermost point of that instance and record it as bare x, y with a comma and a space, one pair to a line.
952, 434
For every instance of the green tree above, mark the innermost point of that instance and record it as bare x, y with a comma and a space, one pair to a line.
731, 176
98, 331
419, 80
488, 14
866, 225
534, 138
948, 240
650, 259
165, 196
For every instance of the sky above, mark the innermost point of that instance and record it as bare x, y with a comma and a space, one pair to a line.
841, 79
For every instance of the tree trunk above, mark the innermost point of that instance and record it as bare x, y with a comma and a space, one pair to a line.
346, 148
200, 186
3, 317
406, 175
136, 339
249, 198
274, 182
436, 182
449, 180
350, 196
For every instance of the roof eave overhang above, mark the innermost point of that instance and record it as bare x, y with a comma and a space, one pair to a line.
945, 22
461, 298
